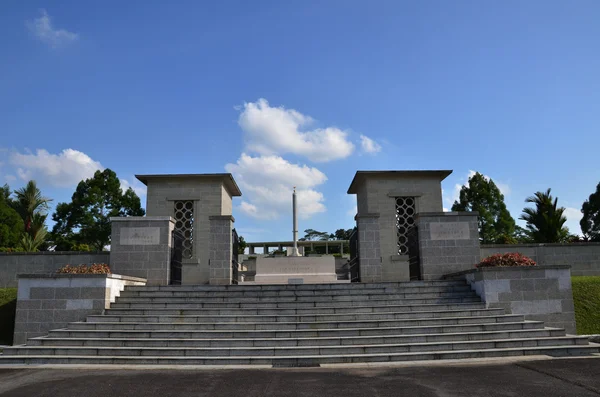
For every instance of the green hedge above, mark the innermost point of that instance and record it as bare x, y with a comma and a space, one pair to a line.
586, 294
8, 307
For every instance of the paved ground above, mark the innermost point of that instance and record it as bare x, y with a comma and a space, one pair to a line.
567, 377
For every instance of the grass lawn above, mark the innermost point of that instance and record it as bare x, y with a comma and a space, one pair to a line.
586, 293
8, 306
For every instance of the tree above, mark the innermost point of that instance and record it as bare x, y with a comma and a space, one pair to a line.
314, 235
590, 222
11, 224
241, 245
86, 219
496, 225
32, 206
343, 234
545, 222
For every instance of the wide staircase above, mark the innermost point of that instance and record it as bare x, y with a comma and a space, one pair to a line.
296, 325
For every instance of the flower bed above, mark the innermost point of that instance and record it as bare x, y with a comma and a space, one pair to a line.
506, 260
94, 268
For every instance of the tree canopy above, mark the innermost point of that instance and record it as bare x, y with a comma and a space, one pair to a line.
496, 225
590, 222
86, 219
545, 222
11, 224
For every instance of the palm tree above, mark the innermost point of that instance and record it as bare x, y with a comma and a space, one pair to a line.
32, 207
545, 222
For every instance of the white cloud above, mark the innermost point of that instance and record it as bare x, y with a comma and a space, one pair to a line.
503, 187
268, 182
277, 130
573, 215
61, 170
138, 187
42, 28
353, 211
446, 209
368, 145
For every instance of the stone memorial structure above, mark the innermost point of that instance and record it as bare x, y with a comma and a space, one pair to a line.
201, 206
296, 270
388, 203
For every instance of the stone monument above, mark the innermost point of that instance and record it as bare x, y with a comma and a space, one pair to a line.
296, 269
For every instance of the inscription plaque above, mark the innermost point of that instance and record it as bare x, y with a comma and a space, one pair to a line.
140, 236
449, 231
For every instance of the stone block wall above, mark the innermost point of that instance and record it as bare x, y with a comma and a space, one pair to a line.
220, 254
46, 302
448, 243
584, 258
141, 247
14, 263
541, 293
369, 250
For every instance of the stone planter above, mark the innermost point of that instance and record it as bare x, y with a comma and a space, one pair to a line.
51, 301
541, 293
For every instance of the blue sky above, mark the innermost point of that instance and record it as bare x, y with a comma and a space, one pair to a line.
305, 93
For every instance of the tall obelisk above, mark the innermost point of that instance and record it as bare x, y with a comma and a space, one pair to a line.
295, 228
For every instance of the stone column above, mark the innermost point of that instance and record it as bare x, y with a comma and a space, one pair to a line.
251, 250
220, 254
141, 247
448, 243
369, 248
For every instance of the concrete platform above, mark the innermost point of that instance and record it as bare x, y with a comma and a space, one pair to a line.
505, 377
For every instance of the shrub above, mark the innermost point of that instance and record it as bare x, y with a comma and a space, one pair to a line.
337, 255
9, 249
94, 268
80, 247
251, 258
505, 260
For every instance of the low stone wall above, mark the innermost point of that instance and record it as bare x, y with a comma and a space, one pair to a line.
51, 301
584, 258
448, 242
15, 263
540, 293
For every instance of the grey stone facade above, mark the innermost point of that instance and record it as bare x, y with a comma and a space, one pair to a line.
15, 263
211, 194
370, 251
541, 293
584, 258
441, 254
220, 254
46, 302
133, 257
376, 193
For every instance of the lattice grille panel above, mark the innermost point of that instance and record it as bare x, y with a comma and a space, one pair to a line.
184, 223
405, 219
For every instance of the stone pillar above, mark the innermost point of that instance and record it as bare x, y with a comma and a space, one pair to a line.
141, 247
251, 250
448, 243
369, 249
219, 248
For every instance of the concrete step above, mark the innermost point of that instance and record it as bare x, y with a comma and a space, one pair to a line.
283, 326
109, 318
288, 361
297, 311
280, 342
299, 333
284, 292
296, 298
299, 287
278, 304
295, 350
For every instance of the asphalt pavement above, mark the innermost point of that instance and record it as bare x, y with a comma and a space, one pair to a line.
564, 377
